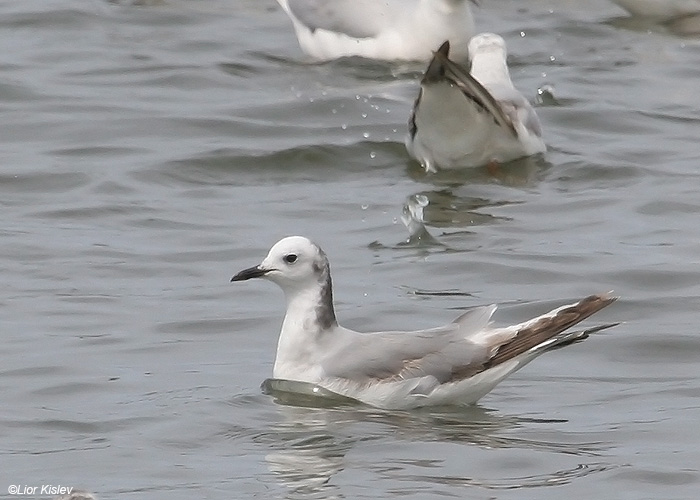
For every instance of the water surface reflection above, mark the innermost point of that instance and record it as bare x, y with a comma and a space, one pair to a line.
313, 445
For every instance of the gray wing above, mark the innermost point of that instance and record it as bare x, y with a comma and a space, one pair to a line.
442, 68
447, 353
444, 353
355, 18
517, 108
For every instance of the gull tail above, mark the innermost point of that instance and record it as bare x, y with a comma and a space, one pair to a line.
546, 332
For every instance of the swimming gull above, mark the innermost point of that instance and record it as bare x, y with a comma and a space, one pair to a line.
454, 364
387, 29
469, 119
661, 10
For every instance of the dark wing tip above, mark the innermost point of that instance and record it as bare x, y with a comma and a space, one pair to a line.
436, 68
547, 327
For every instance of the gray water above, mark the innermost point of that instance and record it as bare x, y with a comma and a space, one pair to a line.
151, 151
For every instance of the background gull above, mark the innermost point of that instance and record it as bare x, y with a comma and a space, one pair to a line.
389, 29
661, 10
457, 363
462, 119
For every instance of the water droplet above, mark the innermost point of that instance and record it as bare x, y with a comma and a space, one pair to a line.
372, 155
545, 89
552, 58
522, 34
545, 95
344, 126
364, 207
365, 135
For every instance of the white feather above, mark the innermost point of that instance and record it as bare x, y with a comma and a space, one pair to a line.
379, 29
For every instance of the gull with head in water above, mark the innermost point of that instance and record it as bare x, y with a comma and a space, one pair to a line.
472, 118
386, 29
455, 364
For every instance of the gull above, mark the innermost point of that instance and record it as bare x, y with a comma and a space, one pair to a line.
379, 29
661, 10
469, 119
77, 495
454, 364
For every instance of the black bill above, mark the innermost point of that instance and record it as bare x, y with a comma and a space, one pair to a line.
251, 272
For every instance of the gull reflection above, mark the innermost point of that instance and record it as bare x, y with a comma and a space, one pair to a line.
444, 209
318, 429
461, 199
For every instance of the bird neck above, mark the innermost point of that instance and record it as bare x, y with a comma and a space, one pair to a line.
311, 308
490, 68
310, 316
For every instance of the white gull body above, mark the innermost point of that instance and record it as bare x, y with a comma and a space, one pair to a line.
455, 364
379, 29
472, 118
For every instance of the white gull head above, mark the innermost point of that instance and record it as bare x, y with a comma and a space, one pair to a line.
301, 269
294, 263
487, 42
488, 53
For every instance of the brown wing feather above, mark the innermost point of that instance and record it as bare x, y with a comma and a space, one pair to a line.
535, 334
449, 358
441, 67
548, 327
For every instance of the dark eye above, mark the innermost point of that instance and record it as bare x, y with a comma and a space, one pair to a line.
290, 258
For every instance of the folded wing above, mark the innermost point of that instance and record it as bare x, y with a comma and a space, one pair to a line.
442, 68
391, 356
456, 351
